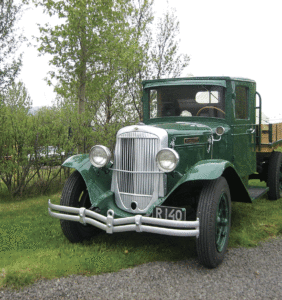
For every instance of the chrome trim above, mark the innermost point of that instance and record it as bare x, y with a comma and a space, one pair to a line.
134, 223
138, 172
136, 177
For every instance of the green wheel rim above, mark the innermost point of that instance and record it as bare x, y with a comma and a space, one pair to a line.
222, 222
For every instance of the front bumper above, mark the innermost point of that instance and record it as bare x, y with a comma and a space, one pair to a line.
134, 223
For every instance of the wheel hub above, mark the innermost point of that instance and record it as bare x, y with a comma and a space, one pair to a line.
222, 222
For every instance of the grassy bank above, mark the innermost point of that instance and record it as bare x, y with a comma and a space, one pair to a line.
32, 245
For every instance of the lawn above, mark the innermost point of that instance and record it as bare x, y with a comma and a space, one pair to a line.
32, 245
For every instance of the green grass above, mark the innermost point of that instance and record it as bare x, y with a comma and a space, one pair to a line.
255, 222
33, 247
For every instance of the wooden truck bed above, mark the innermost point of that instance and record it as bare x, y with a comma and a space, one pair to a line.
269, 137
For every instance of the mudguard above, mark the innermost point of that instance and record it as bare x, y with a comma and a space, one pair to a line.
212, 169
98, 181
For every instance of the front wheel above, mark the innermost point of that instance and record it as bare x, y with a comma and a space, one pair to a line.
75, 194
214, 212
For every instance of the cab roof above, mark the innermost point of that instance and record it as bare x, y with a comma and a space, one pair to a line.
207, 80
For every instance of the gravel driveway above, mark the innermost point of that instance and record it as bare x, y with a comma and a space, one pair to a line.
254, 273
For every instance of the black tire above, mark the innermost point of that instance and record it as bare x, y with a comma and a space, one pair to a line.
274, 176
75, 194
214, 213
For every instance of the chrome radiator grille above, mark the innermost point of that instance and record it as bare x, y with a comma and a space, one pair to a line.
136, 176
137, 153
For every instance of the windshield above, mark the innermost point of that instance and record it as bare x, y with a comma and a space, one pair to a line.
187, 101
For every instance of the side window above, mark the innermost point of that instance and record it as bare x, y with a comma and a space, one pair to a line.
241, 106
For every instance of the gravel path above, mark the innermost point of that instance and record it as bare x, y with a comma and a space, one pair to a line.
254, 273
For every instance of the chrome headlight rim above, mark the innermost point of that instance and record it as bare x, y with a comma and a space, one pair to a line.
220, 130
175, 157
104, 160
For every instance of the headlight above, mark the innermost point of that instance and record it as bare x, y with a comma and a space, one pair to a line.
167, 160
99, 156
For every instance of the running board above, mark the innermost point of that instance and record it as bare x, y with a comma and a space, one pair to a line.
257, 192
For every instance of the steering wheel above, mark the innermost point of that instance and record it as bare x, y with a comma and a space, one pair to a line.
209, 107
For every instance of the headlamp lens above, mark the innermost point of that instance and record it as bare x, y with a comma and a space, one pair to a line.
167, 160
99, 156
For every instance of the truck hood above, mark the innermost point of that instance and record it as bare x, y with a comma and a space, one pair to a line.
184, 132
196, 126
185, 128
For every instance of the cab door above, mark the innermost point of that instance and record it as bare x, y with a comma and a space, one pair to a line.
243, 130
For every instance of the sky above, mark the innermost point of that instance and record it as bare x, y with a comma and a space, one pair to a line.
222, 37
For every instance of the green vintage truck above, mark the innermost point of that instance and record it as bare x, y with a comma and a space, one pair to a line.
177, 172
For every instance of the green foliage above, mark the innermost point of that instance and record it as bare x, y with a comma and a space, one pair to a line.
33, 147
15, 137
30, 145
91, 35
101, 60
10, 40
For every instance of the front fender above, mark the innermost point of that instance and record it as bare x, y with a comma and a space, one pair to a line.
98, 181
205, 170
212, 169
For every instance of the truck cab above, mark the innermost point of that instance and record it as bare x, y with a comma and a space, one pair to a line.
208, 103
177, 171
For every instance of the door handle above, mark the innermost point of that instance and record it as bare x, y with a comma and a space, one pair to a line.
251, 130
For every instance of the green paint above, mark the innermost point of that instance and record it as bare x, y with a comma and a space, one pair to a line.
209, 169
98, 181
183, 81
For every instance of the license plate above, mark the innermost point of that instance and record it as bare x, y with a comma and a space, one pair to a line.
170, 213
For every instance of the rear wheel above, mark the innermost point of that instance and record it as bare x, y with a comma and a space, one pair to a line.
274, 176
75, 194
214, 213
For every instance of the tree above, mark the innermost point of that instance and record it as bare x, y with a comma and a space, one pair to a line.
165, 59
155, 56
102, 51
158, 56
9, 42
15, 137
89, 47
30, 145
92, 33
119, 104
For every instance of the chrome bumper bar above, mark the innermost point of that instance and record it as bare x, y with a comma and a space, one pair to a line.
134, 223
